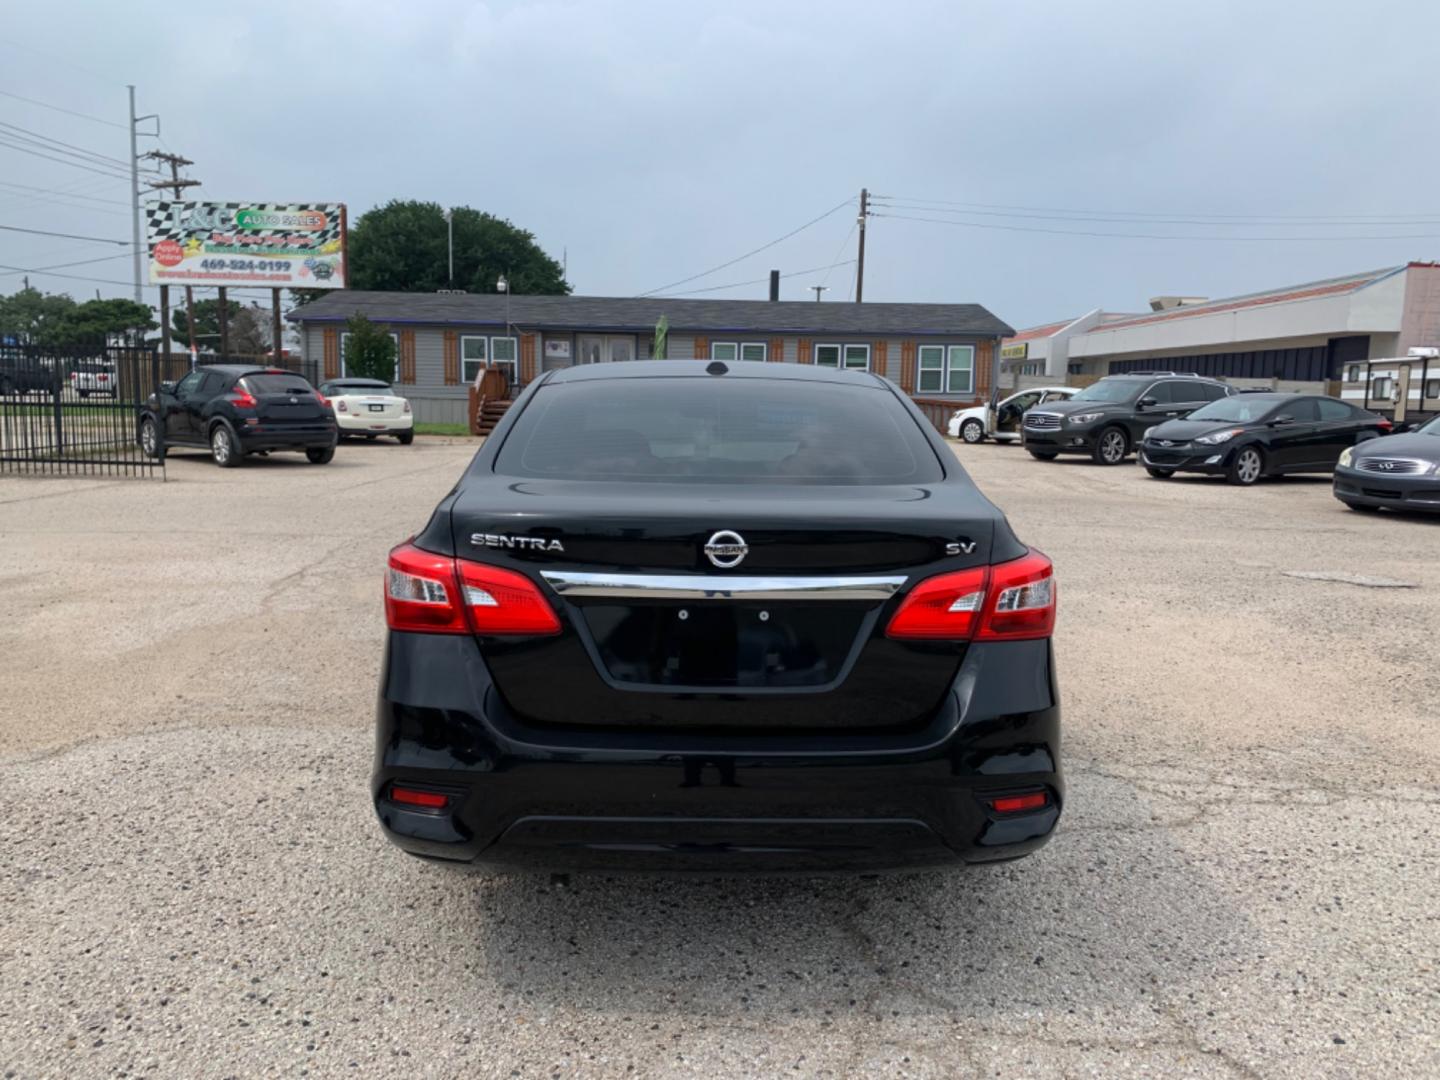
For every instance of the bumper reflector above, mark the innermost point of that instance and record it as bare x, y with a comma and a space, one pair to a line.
1019, 804
424, 800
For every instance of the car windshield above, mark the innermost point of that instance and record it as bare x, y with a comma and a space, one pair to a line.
1236, 410
1110, 390
718, 431
1430, 427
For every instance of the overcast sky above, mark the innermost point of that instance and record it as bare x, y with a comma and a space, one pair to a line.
651, 141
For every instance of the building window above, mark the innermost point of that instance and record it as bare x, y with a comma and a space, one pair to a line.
1432, 388
743, 350
345, 341
947, 369
474, 351
1380, 388
853, 357
1353, 373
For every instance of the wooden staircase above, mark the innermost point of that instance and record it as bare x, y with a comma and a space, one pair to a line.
490, 402
489, 415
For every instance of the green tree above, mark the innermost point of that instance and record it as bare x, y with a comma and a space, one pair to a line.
33, 317
98, 319
403, 246
369, 350
207, 323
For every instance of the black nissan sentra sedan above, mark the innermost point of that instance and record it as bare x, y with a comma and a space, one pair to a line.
1248, 436
748, 617
1398, 472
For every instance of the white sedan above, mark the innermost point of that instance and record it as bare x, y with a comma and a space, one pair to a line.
369, 407
1002, 422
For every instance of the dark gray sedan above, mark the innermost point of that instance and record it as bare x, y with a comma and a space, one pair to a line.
1401, 472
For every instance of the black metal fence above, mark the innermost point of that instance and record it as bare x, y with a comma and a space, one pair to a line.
73, 411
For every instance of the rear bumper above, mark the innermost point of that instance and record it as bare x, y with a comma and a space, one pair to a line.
310, 437
1395, 492
576, 800
372, 425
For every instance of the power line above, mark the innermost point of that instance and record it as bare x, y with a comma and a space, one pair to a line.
60, 192
61, 266
1153, 236
32, 136
756, 281
1142, 214
66, 236
742, 258
59, 109
114, 173
1213, 222
72, 277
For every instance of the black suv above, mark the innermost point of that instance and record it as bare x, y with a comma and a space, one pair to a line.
1108, 419
717, 617
234, 410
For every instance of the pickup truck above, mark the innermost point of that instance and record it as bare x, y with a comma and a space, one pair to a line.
24, 375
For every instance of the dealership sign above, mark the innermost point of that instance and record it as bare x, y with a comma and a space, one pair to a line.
1015, 352
276, 245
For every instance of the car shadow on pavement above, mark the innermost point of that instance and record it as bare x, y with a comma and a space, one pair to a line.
1097, 919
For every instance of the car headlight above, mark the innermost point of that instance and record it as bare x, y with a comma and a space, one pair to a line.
1084, 417
1218, 437
1347, 455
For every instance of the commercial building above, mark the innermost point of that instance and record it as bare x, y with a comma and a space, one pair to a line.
940, 352
1314, 336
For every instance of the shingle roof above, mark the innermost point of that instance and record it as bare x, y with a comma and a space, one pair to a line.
1286, 294
638, 314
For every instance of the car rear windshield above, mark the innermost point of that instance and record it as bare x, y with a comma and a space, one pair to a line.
1235, 410
270, 383
341, 388
720, 431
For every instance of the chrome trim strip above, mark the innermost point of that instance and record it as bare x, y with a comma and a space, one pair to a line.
720, 586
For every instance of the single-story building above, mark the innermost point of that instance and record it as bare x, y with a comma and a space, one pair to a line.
945, 353
1309, 337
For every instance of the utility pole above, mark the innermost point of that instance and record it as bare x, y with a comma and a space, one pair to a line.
135, 134
177, 185
860, 258
818, 290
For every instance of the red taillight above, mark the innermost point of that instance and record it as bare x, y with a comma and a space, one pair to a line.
1385, 425
340, 406
1019, 804
406, 409
242, 398
947, 606
424, 800
437, 594
1021, 605
324, 401
504, 602
1013, 601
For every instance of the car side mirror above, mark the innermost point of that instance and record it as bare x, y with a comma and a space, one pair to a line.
1282, 420
167, 387
1147, 402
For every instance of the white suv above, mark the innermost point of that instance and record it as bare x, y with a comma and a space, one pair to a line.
1002, 423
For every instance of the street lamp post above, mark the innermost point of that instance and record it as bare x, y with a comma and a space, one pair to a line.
450, 244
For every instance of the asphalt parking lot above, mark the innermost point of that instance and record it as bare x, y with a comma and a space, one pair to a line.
191, 883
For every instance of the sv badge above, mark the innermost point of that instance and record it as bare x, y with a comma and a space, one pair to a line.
960, 547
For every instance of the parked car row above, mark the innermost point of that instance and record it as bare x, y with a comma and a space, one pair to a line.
234, 410
1184, 423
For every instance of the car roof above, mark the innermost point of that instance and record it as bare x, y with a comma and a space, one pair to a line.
247, 369
700, 369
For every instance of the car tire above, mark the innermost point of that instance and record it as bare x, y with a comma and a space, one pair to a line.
319, 455
150, 439
84, 393
1111, 446
1246, 467
1044, 455
370, 438
1160, 474
406, 437
972, 431
224, 448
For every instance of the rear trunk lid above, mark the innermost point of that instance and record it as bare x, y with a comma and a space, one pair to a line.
282, 400
779, 626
